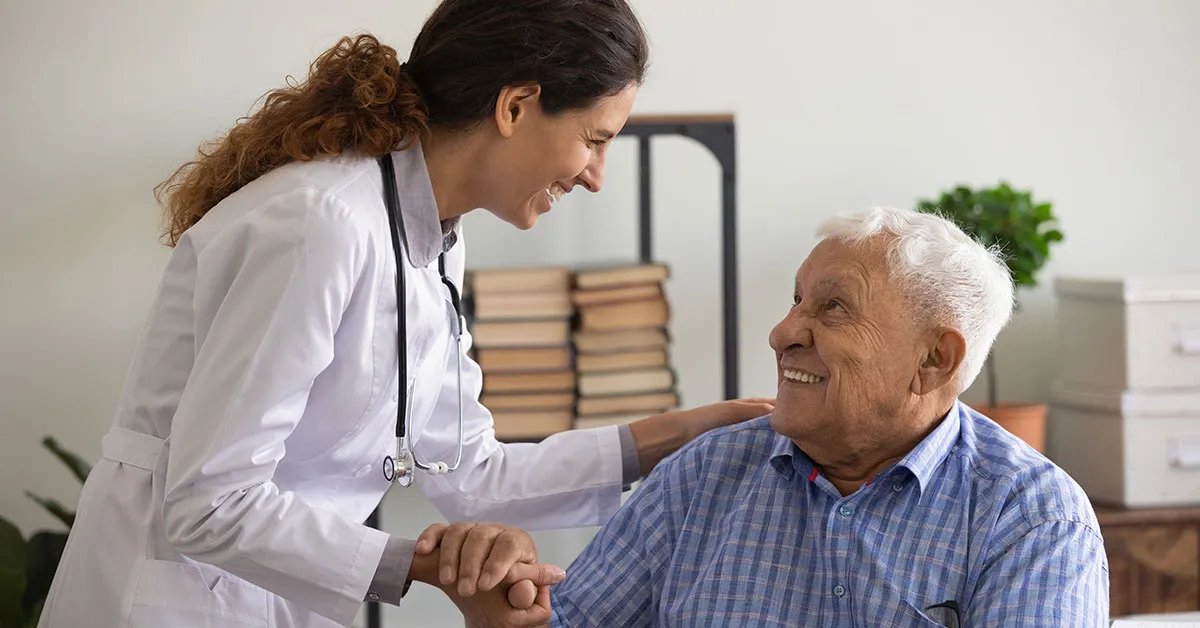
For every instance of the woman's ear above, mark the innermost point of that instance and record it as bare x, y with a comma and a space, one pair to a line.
943, 360
514, 105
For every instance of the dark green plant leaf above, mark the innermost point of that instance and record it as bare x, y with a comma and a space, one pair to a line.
12, 588
55, 508
42, 558
12, 548
77, 465
32, 617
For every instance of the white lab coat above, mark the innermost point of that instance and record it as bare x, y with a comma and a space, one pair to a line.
247, 447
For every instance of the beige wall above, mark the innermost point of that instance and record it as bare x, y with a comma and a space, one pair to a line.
840, 105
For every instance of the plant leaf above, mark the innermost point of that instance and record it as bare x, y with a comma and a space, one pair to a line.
42, 558
12, 547
55, 508
33, 615
77, 465
12, 588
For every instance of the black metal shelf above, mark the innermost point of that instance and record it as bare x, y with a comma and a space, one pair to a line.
717, 133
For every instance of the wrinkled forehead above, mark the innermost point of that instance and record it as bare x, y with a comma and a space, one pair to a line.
861, 262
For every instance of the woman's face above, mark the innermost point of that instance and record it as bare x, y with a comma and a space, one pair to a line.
539, 158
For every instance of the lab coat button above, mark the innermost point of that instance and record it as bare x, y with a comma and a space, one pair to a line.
395, 398
374, 597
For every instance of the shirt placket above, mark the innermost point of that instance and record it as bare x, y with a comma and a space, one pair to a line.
836, 517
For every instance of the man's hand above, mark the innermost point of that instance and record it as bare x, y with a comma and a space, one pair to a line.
515, 603
479, 556
660, 435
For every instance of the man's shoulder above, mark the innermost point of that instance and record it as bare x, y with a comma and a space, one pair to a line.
1030, 488
746, 443
755, 432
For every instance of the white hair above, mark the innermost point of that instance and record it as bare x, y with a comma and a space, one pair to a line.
949, 277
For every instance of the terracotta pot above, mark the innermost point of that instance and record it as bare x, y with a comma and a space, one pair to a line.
1027, 421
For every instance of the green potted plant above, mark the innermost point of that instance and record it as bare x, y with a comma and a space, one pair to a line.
1023, 229
27, 566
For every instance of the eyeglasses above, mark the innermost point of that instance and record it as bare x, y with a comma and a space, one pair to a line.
946, 614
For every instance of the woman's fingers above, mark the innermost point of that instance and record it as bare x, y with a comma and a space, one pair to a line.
512, 546
429, 539
478, 548
452, 542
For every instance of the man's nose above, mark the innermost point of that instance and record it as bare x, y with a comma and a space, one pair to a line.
795, 330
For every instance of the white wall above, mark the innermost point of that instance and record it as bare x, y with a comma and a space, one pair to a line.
840, 105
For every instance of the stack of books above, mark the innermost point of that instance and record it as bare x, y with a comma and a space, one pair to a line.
621, 345
521, 328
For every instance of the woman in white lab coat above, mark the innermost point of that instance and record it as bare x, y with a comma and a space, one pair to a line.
249, 442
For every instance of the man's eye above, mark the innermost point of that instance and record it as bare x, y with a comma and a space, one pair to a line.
795, 300
834, 304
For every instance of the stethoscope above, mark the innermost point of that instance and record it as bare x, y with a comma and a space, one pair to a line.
402, 467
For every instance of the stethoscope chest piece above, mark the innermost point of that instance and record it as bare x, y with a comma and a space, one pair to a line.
400, 469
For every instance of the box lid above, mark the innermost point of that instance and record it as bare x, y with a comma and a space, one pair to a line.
1173, 287
1129, 403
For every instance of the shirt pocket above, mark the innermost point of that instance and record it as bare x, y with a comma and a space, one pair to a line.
909, 616
180, 596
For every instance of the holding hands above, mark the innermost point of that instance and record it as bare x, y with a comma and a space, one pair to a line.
490, 572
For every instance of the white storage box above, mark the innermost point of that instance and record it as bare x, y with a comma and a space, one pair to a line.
1127, 448
1129, 333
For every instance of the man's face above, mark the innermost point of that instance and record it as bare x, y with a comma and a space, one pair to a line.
848, 351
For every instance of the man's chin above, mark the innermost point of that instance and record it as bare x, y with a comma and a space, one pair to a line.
797, 422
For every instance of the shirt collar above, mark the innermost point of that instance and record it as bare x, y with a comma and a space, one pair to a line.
787, 458
425, 237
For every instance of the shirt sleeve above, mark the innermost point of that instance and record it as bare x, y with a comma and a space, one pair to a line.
270, 291
618, 578
391, 582
1055, 575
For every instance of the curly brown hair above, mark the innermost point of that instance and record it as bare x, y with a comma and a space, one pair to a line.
359, 98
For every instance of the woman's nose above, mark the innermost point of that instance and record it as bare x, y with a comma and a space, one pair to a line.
592, 177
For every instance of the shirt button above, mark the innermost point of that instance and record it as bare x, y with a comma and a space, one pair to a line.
845, 511
896, 488
839, 591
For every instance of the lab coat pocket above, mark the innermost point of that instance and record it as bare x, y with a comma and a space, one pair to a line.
178, 595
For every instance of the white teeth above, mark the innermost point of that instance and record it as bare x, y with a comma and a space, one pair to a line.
555, 192
802, 376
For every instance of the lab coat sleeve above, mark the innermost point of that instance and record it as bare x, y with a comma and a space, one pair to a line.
270, 293
570, 479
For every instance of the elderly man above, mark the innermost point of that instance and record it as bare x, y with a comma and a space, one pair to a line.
871, 496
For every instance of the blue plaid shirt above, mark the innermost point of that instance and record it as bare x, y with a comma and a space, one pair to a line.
740, 528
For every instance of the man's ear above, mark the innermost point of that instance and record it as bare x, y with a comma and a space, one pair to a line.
943, 360
514, 105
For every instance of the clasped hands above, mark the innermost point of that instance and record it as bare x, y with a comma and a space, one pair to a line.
490, 572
